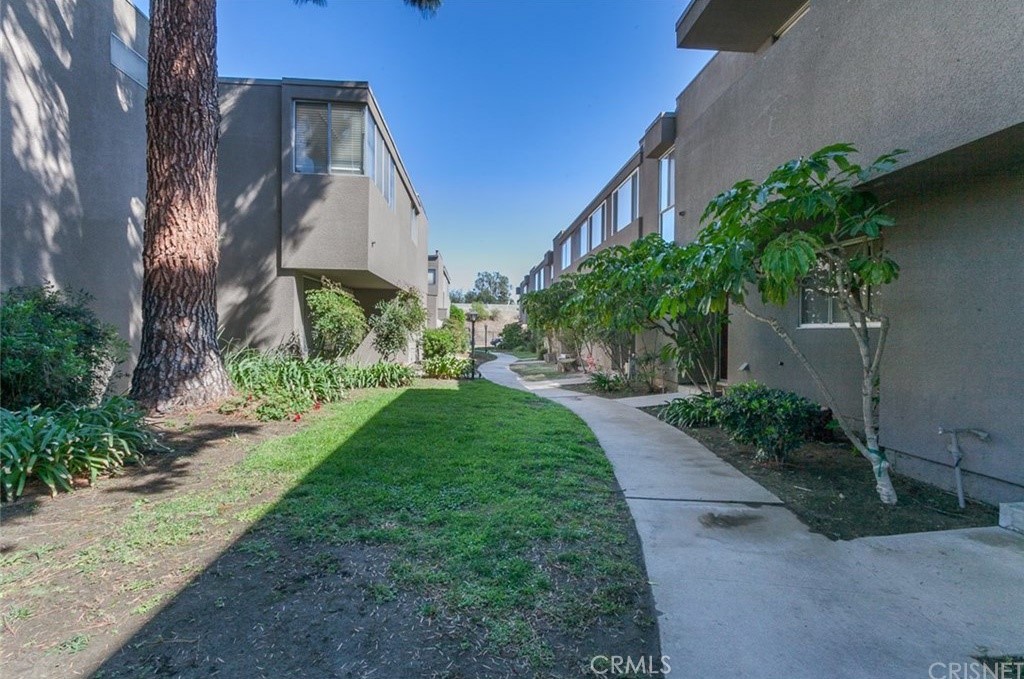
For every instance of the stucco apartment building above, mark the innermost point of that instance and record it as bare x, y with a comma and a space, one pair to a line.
310, 186
296, 203
73, 151
944, 80
439, 285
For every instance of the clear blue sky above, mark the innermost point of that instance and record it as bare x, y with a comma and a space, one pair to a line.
510, 115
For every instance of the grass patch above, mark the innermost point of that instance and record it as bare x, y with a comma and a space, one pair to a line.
832, 489
478, 520
521, 354
474, 487
536, 371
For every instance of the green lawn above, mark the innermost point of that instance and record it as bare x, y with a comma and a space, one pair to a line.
477, 519
535, 371
521, 354
493, 498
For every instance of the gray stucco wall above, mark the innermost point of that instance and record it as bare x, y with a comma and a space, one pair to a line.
257, 300
928, 77
954, 359
73, 150
282, 231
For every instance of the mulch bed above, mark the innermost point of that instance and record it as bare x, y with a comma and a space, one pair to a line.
832, 489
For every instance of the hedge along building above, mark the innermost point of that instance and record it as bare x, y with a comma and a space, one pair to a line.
73, 149
310, 185
944, 80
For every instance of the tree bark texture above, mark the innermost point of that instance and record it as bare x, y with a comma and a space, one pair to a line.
180, 364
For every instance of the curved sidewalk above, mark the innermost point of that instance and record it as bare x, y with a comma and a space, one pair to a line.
744, 589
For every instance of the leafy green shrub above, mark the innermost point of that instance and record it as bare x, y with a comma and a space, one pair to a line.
395, 320
608, 382
513, 336
59, 444
53, 348
457, 315
338, 322
482, 312
439, 342
446, 367
697, 411
457, 329
777, 422
278, 385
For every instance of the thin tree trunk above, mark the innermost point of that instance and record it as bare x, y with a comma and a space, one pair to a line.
180, 363
869, 448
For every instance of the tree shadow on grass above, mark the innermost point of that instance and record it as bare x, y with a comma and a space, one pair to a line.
418, 546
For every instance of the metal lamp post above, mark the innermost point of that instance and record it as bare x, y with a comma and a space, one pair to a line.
471, 316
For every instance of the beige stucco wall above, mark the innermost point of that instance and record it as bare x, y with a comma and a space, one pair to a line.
73, 151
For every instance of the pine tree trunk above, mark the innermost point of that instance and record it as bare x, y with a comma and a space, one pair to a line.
180, 363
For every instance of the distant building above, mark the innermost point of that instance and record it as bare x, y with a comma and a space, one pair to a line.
439, 283
310, 185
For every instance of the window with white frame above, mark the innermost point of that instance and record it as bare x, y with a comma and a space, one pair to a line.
819, 306
586, 239
412, 225
342, 138
566, 252
596, 222
625, 209
328, 138
667, 196
431, 276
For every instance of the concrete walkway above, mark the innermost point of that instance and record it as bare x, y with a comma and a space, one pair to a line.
743, 589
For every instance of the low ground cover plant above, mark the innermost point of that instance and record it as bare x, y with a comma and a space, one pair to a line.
384, 375
446, 367
775, 421
58, 445
697, 411
53, 349
275, 385
608, 382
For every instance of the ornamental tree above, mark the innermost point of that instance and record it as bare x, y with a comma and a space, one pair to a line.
547, 312
810, 224
621, 289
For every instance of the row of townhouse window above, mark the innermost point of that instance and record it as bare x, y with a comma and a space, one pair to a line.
540, 279
625, 208
340, 138
816, 308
